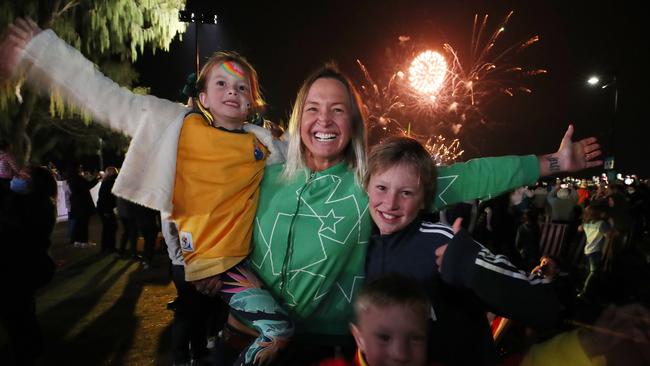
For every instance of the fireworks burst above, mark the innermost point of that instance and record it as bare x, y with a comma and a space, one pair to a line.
427, 73
381, 103
443, 153
442, 94
469, 87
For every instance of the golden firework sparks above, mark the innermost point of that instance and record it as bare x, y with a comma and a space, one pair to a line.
438, 93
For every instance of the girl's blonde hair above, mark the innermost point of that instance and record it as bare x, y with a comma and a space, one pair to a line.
355, 152
219, 57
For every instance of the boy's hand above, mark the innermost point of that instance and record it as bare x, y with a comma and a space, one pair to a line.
14, 40
440, 252
209, 286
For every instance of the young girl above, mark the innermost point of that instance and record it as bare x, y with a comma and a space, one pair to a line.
218, 171
596, 229
199, 166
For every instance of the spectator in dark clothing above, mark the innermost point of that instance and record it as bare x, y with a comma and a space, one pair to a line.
639, 209
527, 240
26, 223
619, 213
147, 223
105, 208
562, 201
496, 227
126, 213
81, 206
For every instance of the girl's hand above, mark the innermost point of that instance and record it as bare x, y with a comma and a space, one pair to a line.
13, 42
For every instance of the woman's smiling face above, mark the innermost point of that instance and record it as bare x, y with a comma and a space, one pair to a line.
325, 129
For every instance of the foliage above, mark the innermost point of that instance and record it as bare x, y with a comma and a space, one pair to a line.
111, 33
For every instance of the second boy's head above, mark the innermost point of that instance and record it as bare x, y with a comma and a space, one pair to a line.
228, 88
392, 315
400, 181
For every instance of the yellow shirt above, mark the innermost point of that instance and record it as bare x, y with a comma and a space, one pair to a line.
216, 188
563, 349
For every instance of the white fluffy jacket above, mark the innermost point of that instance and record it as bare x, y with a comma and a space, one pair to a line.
147, 175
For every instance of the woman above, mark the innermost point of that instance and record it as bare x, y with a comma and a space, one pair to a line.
312, 223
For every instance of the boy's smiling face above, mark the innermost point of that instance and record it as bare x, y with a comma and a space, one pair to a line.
395, 196
227, 94
392, 335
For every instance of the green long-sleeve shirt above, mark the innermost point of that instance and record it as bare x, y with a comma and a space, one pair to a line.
311, 233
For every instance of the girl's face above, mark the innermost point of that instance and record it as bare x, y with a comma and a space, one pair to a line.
227, 95
395, 197
325, 127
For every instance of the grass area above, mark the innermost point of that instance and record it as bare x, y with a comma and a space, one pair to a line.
103, 310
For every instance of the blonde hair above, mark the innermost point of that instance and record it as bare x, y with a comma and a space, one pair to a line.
355, 152
219, 57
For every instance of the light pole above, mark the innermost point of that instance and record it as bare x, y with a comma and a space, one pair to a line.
100, 153
612, 84
189, 16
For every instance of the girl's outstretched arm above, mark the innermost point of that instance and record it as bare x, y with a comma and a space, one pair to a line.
52, 66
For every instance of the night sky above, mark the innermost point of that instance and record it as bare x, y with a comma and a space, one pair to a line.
285, 43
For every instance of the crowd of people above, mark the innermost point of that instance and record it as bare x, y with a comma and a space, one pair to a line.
284, 232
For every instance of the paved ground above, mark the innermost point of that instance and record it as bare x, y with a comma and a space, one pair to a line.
102, 310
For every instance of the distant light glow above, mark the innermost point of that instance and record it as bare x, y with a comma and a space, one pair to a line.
427, 73
594, 80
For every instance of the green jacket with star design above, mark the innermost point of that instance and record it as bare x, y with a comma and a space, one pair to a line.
311, 233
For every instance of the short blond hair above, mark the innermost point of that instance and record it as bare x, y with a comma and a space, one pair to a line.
407, 151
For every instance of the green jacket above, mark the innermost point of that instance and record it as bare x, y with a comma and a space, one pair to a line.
311, 233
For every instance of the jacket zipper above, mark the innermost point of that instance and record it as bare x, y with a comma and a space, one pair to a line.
289, 251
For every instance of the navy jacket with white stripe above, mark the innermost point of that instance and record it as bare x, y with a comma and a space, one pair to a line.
472, 281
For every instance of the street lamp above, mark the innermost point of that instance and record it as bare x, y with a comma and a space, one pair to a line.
612, 84
189, 16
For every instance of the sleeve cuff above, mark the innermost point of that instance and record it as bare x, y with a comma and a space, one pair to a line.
530, 169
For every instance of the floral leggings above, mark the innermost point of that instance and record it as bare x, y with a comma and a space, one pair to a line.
256, 308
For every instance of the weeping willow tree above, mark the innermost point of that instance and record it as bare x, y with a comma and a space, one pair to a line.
111, 33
